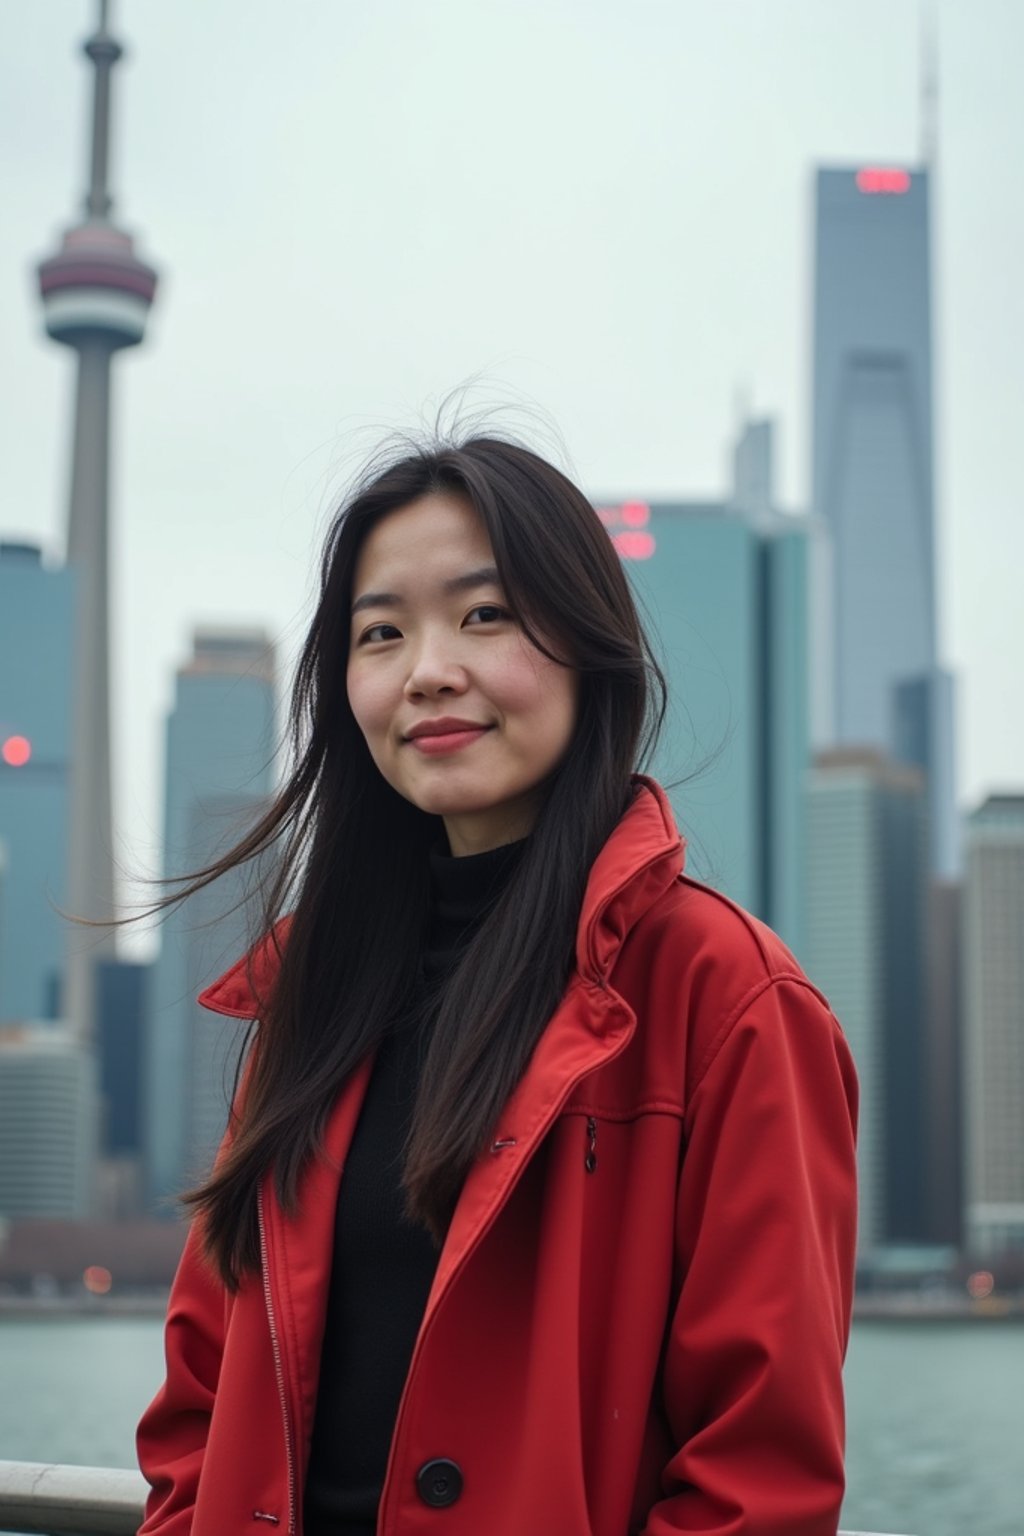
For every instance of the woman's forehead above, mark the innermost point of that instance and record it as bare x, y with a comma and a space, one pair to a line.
427, 542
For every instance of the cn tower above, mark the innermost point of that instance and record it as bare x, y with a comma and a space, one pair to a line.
96, 296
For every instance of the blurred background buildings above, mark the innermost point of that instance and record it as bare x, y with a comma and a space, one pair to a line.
809, 750
36, 630
220, 759
724, 588
994, 1045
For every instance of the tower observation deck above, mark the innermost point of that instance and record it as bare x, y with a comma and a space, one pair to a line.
96, 295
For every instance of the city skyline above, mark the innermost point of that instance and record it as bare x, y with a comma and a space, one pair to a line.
234, 436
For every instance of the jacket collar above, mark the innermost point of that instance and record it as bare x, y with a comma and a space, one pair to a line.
641, 858
639, 861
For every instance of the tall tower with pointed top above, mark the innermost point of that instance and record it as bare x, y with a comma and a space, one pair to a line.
96, 296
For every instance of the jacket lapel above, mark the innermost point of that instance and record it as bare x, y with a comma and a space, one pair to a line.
590, 1027
299, 1244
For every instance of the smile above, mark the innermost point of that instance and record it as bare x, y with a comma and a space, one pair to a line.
437, 744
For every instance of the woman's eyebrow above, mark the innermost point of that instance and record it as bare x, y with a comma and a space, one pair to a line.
484, 576
376, 600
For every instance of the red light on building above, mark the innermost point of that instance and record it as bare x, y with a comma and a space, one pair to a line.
877, 178
97, 1279
627, 528
634, 545
16, 751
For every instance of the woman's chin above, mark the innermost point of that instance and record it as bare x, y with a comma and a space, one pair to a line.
451, 805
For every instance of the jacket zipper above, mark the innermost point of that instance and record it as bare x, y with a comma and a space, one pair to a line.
403, 1406
590, 1160
275, 1345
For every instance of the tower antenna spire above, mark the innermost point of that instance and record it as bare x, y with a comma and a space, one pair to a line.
104, 51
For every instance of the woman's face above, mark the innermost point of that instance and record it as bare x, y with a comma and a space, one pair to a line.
462, 715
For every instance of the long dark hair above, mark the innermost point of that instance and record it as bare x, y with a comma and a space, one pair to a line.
351, 854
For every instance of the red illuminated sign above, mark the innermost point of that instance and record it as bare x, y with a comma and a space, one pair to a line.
16, 751
877, 178
634, 546
627, 525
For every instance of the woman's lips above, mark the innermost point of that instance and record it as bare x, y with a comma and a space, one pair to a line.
450, 741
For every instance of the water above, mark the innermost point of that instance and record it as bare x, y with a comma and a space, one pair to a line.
936, 1429
936, 1414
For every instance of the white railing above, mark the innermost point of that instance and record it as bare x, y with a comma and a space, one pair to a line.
38, 1499
70, 1501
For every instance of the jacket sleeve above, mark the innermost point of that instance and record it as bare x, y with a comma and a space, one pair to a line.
765, 1247
171, 1439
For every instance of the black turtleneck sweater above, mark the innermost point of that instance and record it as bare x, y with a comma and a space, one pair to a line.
383, 1263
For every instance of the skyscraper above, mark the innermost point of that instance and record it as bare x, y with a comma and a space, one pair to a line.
121, 1014
724, 586
36, 625
873, 474
219, 770
866, 885
993, 959
872, 471
944, 1115
923, 734
48, 1122
96, 295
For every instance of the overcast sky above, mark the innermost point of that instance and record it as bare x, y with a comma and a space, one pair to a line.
602, 210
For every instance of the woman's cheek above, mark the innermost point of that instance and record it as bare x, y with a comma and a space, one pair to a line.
366, 697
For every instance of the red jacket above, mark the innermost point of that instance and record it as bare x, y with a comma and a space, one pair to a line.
640, 1312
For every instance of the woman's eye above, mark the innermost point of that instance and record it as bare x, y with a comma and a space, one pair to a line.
491, 613
375, 633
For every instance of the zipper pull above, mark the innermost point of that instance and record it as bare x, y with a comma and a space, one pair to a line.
590, 1161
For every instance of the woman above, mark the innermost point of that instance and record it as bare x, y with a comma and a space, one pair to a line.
535, 1216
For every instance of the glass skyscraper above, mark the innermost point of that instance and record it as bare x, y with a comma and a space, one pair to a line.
866, 883
873, 470
993, 1027
873, 436
724, 588
220, 759
36, 617
48, 1119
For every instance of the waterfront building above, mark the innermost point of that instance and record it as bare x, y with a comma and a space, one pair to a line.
724, 587
120, 1022
48, 1119
753, 469
923, 734
873, 477
96, 295
944, 1114
36, 625
786, 549
866, 895
219, 770
3, 883
994, 1026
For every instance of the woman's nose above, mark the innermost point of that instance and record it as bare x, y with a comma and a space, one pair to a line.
435, 669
